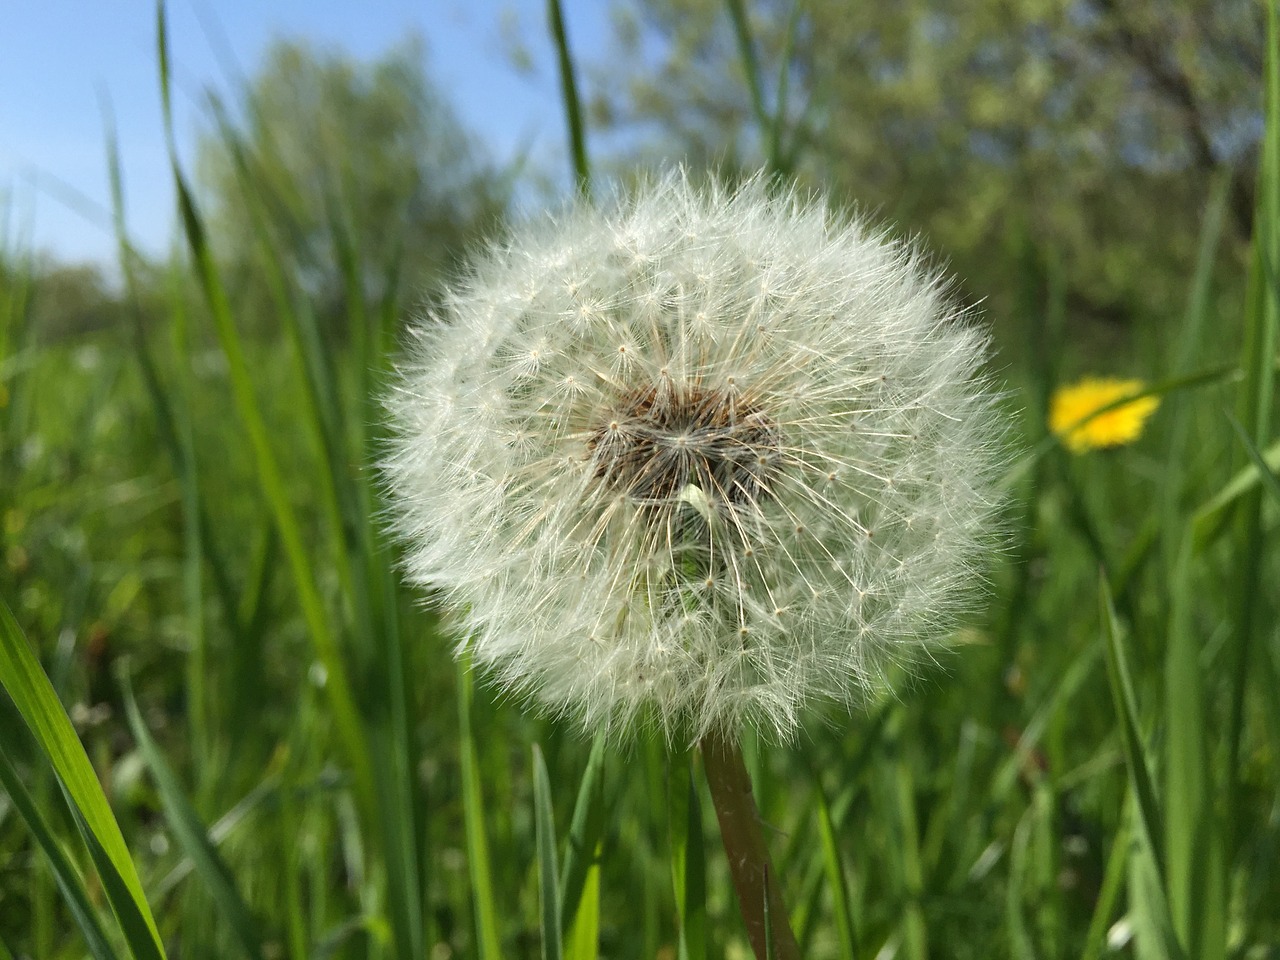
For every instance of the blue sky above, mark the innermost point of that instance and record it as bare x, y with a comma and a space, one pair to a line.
61, 60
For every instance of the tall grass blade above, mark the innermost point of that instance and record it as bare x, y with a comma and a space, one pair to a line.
1210, 519
34, 696
837, 884
361, 562
1113, 876
65, 874
569, 94
910, 869
1149, 905
1135, 751
1154, 936
473, 812
270, 478
172, 408
1254, 409
191, 833
781, 160
133, 923
266, 792
579, 874
750, 64
398, 785
1019, 937
1267, 475
582, 939
688, 860
1196, 884
1269, 479
1193, 837
548, 872
322, 412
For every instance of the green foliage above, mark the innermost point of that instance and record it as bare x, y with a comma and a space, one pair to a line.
1090, 129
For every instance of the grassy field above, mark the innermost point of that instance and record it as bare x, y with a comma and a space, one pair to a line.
281, 757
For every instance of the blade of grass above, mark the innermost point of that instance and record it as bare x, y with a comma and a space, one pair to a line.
1148, 905
271, 481
583, 939
585, 833
172, 410
298, 928
373, 599
1210, 519
65, 874
1254, 407
1006, 776
548, 871
1019, 938
190, 831
33, 695
1135, 751
488, 941
362, 566
569, 93
1189, 342
377, 600
1095, 940
1196, 885
267, 790
688, 861
1270, 672
405, 798
750, 65
321, 412
780, 160
906, 853
771, 128
837, 884
1266, 474
808, 915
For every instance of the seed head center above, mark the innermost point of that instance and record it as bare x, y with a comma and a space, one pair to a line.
657, 440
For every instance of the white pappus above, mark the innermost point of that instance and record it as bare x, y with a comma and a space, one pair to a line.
696, 458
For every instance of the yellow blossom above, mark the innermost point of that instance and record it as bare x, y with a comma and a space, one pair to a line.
1072, 407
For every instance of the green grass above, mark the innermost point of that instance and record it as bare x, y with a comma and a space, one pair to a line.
274, 755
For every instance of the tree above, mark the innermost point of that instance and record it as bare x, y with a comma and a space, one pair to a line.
1090, 127
71, 300
358, 173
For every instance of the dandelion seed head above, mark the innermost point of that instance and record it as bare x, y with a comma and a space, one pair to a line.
697, 459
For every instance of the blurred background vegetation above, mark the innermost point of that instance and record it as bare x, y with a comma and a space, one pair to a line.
187, 497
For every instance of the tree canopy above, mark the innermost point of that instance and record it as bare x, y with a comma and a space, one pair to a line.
344, 166
1094, 129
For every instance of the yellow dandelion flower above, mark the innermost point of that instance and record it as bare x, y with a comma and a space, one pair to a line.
1072, 409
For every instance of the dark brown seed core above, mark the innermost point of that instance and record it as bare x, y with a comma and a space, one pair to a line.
659, 439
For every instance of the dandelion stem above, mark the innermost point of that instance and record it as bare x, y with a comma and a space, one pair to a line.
754, 878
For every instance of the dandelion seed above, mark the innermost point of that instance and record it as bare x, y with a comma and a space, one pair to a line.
1074, 417
773, 386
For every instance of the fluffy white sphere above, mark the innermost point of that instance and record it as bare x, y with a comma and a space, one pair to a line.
695, 459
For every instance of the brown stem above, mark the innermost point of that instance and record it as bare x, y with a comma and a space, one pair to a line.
754, 878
